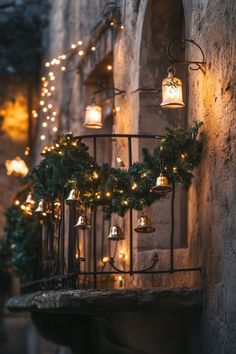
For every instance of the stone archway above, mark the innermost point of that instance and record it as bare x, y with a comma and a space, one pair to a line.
162, 21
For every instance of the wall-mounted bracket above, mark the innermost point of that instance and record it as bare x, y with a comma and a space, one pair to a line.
199, 64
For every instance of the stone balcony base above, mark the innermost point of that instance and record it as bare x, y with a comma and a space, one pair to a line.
124, 321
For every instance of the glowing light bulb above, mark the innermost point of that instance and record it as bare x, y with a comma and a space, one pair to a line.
47, 64
44, 125
73, 46
63, 68
109, 67
41, 103
105, 259
54, 129
93, 49
80, 42
81, 52
42, 137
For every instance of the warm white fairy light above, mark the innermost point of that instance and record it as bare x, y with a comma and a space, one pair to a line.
48, 89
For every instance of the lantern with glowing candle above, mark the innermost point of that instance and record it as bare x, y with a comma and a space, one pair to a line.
93, 115
172, 93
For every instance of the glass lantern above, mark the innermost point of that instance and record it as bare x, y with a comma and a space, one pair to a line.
172, 93
93, 116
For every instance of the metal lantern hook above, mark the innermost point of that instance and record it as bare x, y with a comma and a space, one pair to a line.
199, 63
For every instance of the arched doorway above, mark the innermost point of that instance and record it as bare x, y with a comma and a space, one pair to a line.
163, 21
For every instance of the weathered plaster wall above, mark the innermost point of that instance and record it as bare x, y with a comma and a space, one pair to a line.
212, 207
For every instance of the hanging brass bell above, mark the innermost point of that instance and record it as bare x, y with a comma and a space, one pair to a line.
40, 207
83, 223
115, 233
162, 185
144, 225
73, 197
29, 199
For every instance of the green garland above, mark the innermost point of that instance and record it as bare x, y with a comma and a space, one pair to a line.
68, 163
20, 243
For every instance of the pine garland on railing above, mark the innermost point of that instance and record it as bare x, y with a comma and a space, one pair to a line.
68, 163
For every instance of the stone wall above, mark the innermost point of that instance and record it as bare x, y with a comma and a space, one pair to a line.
211, 99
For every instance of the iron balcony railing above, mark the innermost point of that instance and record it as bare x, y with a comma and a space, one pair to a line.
60, 266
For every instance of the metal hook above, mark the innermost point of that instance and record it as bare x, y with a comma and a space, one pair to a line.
199, 64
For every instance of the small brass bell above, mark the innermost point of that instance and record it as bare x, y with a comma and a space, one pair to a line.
83, 223
162, 185
115, 233
29, 199
73, 197
40, 207
144, 225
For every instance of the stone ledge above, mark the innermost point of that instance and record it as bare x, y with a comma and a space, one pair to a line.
107, 301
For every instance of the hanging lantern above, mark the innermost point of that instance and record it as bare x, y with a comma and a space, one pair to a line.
83, 223
93, 115
29, 199
172, 95
162, 185
74, 197
40, 207
115, 233
144, 225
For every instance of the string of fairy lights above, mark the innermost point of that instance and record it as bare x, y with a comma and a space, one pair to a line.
47, 112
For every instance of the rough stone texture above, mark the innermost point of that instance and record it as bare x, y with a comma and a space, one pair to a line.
129, 321
107, 301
